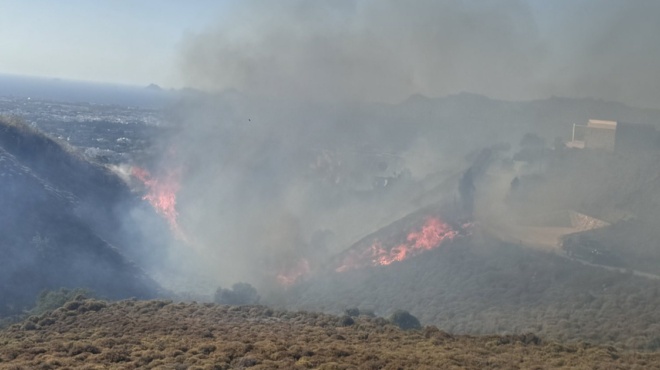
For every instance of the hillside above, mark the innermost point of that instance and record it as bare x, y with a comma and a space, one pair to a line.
58, 222
93, 334
617, 187
68, 226
484, 285
479, 285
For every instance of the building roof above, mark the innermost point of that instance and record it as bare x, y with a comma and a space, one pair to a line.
596, 123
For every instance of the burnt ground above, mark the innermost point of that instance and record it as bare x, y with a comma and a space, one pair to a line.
91, 334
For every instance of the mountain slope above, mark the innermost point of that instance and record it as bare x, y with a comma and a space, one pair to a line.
48, 238
479, 285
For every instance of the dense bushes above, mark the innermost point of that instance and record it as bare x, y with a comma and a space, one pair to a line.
50, 300
166, 335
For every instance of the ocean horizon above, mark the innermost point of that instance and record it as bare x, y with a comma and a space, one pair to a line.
56, 89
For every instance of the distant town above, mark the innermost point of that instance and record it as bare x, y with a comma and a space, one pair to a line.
104, 133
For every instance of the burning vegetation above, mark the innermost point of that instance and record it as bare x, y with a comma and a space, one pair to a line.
288, 277
394, 245
161, 194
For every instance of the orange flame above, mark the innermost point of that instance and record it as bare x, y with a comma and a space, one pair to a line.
161, 194
432, 234
289, 276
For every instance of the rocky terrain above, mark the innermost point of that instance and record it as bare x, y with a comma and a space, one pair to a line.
90, 334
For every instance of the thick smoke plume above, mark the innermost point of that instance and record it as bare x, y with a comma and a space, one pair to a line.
368, 50
312, 131
268, 186
388, 50
604, 49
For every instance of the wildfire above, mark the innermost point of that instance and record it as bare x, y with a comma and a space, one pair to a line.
291, 275
161, 194
431, 235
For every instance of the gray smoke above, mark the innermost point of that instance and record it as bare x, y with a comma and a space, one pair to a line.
604, 49
284, 157
368, 50
388, 50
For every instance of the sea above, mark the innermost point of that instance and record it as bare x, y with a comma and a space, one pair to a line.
43, 88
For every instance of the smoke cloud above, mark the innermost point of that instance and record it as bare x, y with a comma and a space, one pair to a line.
314, 129
601, 49
267, 183
368, 50
389, 50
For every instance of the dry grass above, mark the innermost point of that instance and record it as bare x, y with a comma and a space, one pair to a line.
163, 335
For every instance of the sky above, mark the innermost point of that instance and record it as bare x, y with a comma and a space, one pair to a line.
507, 49
118, 41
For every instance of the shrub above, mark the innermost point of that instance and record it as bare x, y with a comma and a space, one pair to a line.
404, 320
50, 300
346, 320
239, 294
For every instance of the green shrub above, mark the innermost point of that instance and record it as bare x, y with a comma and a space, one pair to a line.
50, 300
404, 320
346, 320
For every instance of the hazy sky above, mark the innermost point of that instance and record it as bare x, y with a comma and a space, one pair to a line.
122, 41
510, 49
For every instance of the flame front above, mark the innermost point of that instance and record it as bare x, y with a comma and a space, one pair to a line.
289, 276
431, 235
161, 194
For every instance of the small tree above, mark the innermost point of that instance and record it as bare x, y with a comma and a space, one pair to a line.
404, 320
50, 300
239, 294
